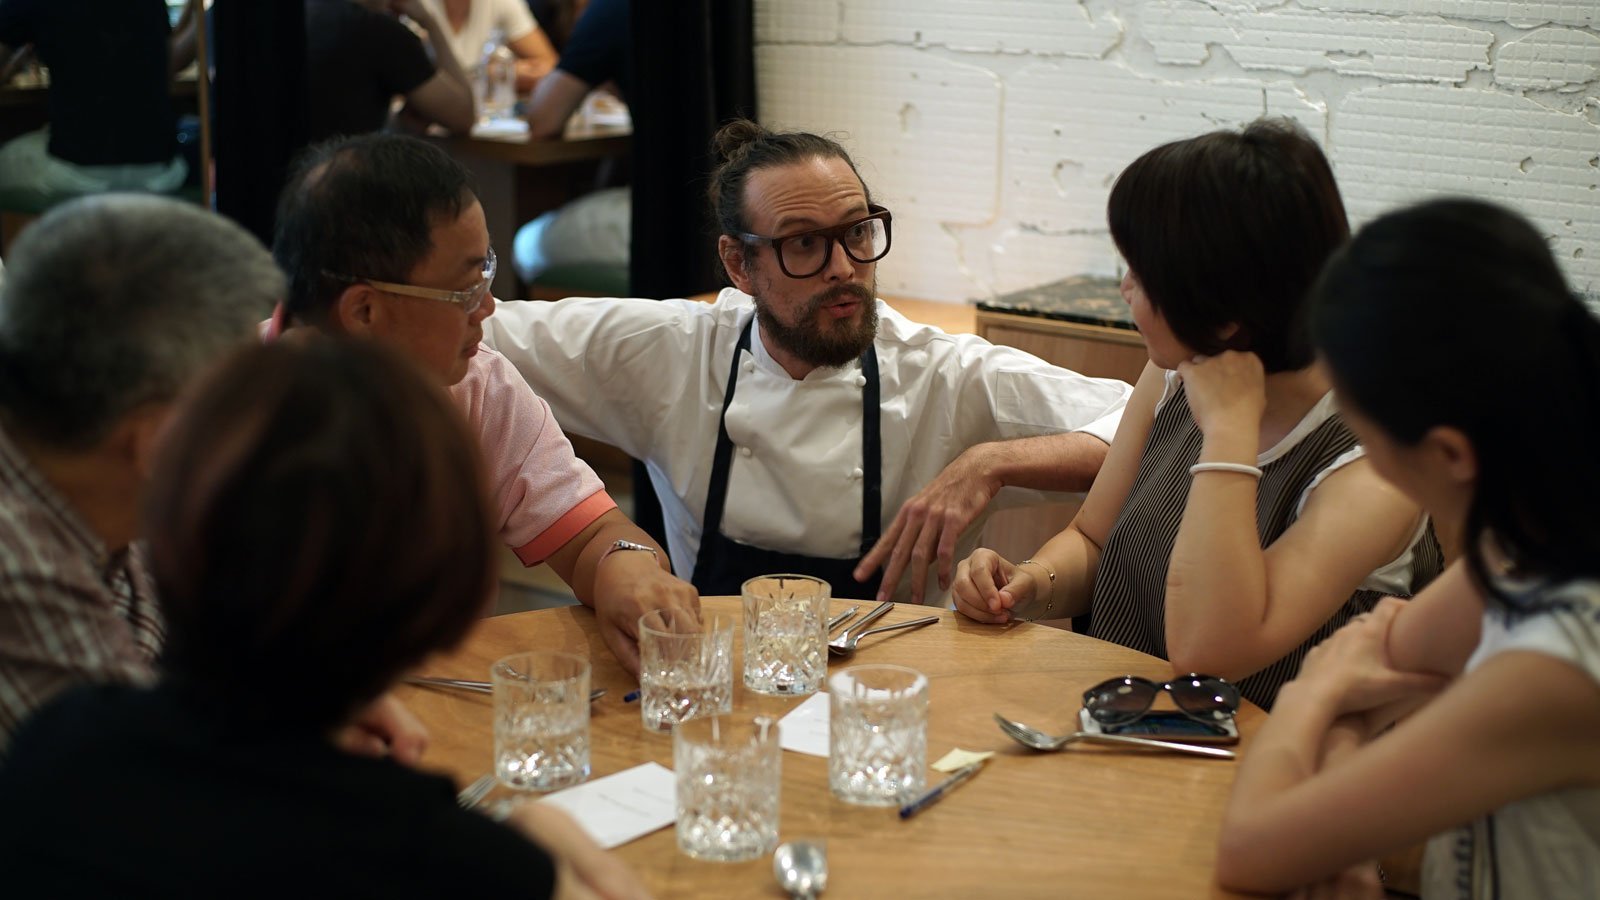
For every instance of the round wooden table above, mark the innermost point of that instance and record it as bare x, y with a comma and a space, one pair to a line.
1084, 822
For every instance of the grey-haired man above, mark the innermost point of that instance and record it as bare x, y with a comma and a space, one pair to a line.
109, 306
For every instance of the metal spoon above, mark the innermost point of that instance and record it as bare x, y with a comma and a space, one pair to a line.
845, 644
801, 868
1038, 740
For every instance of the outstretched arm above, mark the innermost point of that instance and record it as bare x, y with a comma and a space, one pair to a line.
929, 524
555, 99
536, 58
445, 98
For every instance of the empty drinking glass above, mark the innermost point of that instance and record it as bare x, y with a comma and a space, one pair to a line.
685, 667
785, 634
877, 734
729, 774
541, 720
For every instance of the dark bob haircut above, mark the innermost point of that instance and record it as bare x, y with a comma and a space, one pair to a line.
1454, 313
1231, 228
362, 207
317, 524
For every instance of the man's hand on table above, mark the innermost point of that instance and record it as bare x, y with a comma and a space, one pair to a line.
928, 526
385, 728
628, 584
584, 869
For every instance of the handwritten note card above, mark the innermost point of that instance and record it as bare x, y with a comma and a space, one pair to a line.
805, 729
620, 807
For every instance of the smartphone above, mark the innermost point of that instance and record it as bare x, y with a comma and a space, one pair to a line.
1172, 726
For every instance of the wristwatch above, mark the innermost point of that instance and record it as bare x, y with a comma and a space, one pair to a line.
623, 544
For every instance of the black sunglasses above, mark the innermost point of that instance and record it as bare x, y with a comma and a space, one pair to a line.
1119, 701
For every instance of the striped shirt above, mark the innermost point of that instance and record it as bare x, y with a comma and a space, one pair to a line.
1129, 605
71, 610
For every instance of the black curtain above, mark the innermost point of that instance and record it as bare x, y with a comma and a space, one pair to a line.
259, 50
694, 69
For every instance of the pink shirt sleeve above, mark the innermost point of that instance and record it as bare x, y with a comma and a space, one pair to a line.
545, 494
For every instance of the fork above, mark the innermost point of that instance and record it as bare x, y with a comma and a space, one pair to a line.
845, 644
482, 687
876, 613
841, 618
1038, 740
473, 794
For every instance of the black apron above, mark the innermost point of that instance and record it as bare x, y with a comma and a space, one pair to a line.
724, 565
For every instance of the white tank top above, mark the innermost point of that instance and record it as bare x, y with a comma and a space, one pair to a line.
1546, 846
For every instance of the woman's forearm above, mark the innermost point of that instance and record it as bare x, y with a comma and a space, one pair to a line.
1217, 575
1074, 558
1303, 734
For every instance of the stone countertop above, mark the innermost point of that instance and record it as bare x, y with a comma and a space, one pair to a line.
1088, 299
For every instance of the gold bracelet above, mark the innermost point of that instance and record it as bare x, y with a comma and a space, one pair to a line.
1050, 595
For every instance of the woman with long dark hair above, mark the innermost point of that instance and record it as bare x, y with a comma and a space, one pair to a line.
1472, 375
1234, 523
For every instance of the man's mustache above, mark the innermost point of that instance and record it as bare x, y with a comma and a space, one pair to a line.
843, 292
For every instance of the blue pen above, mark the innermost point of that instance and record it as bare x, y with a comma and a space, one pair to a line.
630, 696
935, 794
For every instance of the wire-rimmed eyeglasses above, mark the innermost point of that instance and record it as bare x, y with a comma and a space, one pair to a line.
469, 300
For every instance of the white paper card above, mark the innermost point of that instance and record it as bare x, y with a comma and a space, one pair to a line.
959, 758
805, 729
618, 808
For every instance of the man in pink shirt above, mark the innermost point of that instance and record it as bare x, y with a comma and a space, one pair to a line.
382, 237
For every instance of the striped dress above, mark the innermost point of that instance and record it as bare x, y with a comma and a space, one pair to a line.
1129, 604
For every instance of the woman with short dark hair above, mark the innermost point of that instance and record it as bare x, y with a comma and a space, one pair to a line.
317, 526
1472, 375
1234, 523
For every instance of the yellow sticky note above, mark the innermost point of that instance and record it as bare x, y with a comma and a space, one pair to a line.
958, 757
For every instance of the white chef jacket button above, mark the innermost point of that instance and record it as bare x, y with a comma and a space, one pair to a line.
744, 451
749, 365
855, 474
861, 381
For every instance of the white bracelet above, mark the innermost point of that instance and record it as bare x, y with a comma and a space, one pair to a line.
1241, 468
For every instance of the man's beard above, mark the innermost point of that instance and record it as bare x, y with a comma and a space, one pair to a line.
809, 342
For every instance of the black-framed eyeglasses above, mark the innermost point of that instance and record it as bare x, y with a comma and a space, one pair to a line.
469, 300
806, 253
1119, 701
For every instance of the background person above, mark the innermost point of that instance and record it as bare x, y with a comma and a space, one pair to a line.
1452, 340
1235, 523
471, 24
112, 125
593, 230
295, 596
360, 57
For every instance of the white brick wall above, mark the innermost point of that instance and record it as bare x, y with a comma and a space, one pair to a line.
994, 128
